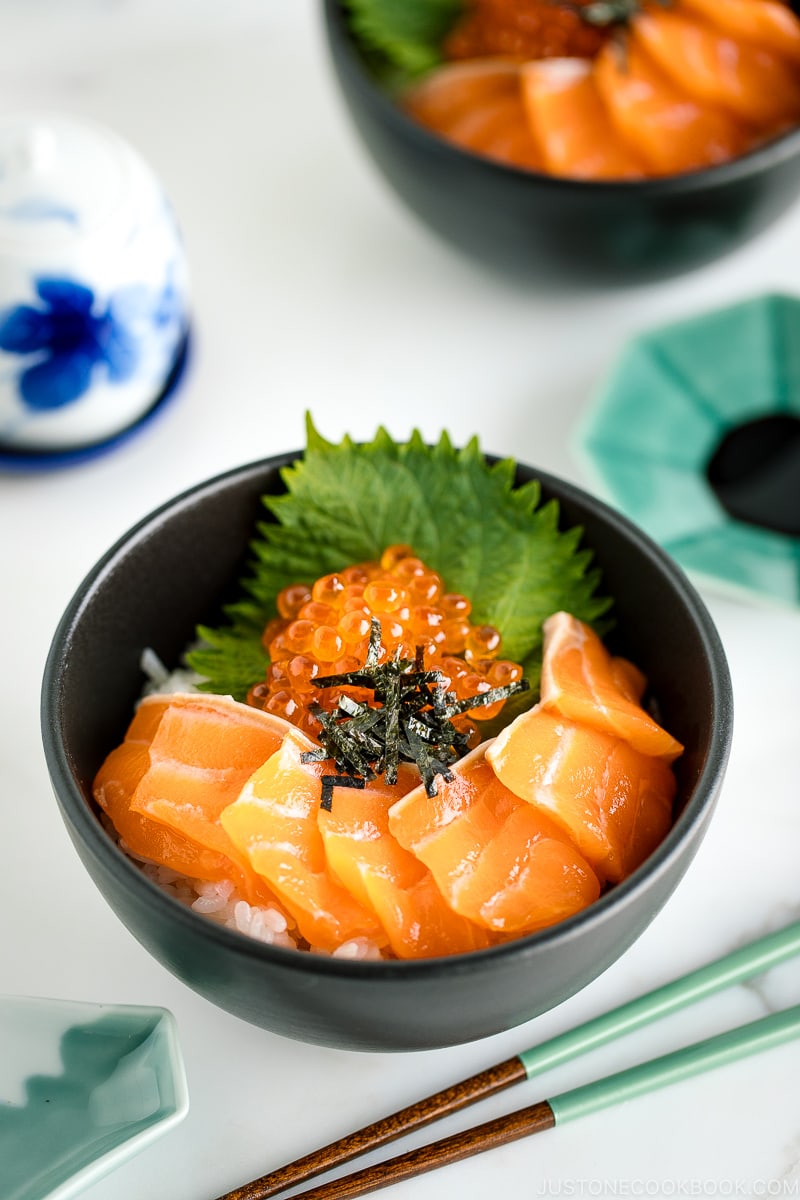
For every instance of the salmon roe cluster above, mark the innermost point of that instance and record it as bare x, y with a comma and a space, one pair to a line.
325, 630
523, 29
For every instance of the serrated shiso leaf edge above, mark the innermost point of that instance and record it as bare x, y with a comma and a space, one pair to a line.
345, 502
401, 40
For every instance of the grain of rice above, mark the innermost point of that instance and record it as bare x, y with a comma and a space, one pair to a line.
209, 904
357, 948
266, 923
160, 681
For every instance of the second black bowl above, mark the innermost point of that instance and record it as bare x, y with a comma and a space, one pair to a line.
541, 227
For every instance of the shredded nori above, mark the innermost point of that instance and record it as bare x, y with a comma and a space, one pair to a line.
409, 721
329, 782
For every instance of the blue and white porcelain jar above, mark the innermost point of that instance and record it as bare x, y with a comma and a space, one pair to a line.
93, 285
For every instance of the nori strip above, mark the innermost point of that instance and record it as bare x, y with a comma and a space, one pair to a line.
409, 722
329, 782
484, 698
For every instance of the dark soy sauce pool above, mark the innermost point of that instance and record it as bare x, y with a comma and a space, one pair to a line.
755, 473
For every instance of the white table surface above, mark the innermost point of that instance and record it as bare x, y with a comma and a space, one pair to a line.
314, 288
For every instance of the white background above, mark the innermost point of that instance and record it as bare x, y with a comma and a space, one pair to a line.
315, 289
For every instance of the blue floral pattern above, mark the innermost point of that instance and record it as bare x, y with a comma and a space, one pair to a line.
65, 340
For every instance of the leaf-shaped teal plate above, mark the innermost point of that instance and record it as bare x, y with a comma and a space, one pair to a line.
82, 1088
661, 416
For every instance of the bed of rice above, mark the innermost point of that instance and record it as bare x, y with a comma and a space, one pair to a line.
220, 901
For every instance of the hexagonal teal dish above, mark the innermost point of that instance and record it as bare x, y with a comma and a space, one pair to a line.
82, 1088
695, 435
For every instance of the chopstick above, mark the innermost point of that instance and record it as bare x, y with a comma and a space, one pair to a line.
724, 972
613, 1089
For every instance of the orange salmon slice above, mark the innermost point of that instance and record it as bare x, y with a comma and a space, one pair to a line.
499, 130
571, 124
614, 802
383, 876
450, 92
581, 681
762, 22
113, 788
477, 105
670, 129
629, 681
183, 759
274, 824
496, 860
755, 84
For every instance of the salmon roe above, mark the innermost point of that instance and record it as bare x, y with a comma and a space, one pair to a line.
523, 29
325, 630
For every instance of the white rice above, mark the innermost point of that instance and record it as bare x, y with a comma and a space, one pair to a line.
360, 948
160, 681
220, 902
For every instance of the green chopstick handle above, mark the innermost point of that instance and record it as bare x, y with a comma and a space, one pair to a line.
732, 968
681, 1064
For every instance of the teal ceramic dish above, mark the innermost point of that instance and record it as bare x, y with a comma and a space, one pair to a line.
695, 435
83, 1087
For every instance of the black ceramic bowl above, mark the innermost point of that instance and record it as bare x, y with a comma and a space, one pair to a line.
557, 229
175, 568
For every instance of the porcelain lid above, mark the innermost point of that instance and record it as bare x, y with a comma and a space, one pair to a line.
60, 179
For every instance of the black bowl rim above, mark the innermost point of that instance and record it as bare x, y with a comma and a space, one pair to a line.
79, 816
778, 150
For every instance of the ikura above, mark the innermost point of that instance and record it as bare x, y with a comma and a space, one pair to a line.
325, 629
522, 29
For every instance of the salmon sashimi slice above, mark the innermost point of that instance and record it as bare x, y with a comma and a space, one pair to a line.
672, 131
514, 145
450, 92
571, 124
496, 859
201, 752
478, 106
615, 803
383, 876
499, 130
755, 84
762, 22
183, 759
114, 785
478, 128
628, 679
580, 682
274, 823
419, 922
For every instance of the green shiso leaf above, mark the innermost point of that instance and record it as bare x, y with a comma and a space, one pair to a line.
230, 658
346, 502
404, 35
